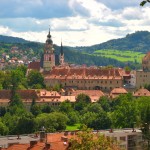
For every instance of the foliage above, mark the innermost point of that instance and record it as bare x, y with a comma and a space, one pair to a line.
87, 140
81, 101
16, 101
145, 120
66, 107
105, 104
3, 129
35, 78
144, 2
125, 115
73, 118
52, 122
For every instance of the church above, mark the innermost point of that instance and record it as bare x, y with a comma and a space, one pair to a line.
75, 77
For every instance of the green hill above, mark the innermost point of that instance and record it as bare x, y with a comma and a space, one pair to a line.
138, 41
10, 39
119, 52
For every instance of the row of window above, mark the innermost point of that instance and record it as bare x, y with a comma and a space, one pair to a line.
110, 82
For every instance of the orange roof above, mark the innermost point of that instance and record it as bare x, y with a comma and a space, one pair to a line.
70, 98
24, 94
83, 72
93, 94
141, 92
35, 65
117, 91
49, 94
146, 57
54, 139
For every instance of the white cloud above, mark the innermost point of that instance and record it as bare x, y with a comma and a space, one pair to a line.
80, 22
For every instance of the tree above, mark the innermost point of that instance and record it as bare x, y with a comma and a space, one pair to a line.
3, 129
105, 104
125, 114
82, 101
87, 140
52, 122
25, 124
35, 78
144, 2
72, 118
65, 107
145, 120
16, 101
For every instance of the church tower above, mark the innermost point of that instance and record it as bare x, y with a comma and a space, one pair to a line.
49, 55
61, 57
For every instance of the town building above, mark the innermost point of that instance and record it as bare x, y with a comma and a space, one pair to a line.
85, 78
143, 76
128, 139
141, 93
117, 91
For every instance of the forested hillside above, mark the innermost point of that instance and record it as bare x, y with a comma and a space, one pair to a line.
114, 52
9, 39
138, 41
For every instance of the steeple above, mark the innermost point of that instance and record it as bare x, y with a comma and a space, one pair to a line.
49, 40
49, 54
61, 57
61, 49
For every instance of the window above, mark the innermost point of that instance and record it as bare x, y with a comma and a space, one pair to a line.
122, 138
110, 82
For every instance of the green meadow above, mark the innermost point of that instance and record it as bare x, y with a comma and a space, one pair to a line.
73, 127
123, 56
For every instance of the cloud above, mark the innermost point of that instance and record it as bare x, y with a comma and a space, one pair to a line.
119, 4
41, 9
77, 22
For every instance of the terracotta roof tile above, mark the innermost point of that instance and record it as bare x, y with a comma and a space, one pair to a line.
83, 72
34, 65
141, 92
117, 91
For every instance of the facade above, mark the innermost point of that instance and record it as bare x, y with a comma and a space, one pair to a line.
49, 55
146, 62
117, 91
128, 139
84, 78
141, 92
143, 76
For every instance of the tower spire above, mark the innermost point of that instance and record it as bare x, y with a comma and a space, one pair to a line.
61, 49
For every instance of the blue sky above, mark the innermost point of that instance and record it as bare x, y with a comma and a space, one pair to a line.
77, 22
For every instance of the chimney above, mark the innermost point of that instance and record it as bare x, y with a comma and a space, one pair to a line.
32, 143
47, 145
111, 130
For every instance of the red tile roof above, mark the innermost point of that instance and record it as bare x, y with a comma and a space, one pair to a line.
35, 65
55, 141
146, 57
83, 72
141, 92
24, 94
93, 94
117, 91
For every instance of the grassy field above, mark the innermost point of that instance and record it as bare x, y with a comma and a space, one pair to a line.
123, 56
74, 127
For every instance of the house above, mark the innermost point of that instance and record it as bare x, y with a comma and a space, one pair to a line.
117, 91
141, 92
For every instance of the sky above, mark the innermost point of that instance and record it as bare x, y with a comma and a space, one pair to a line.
75, 22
